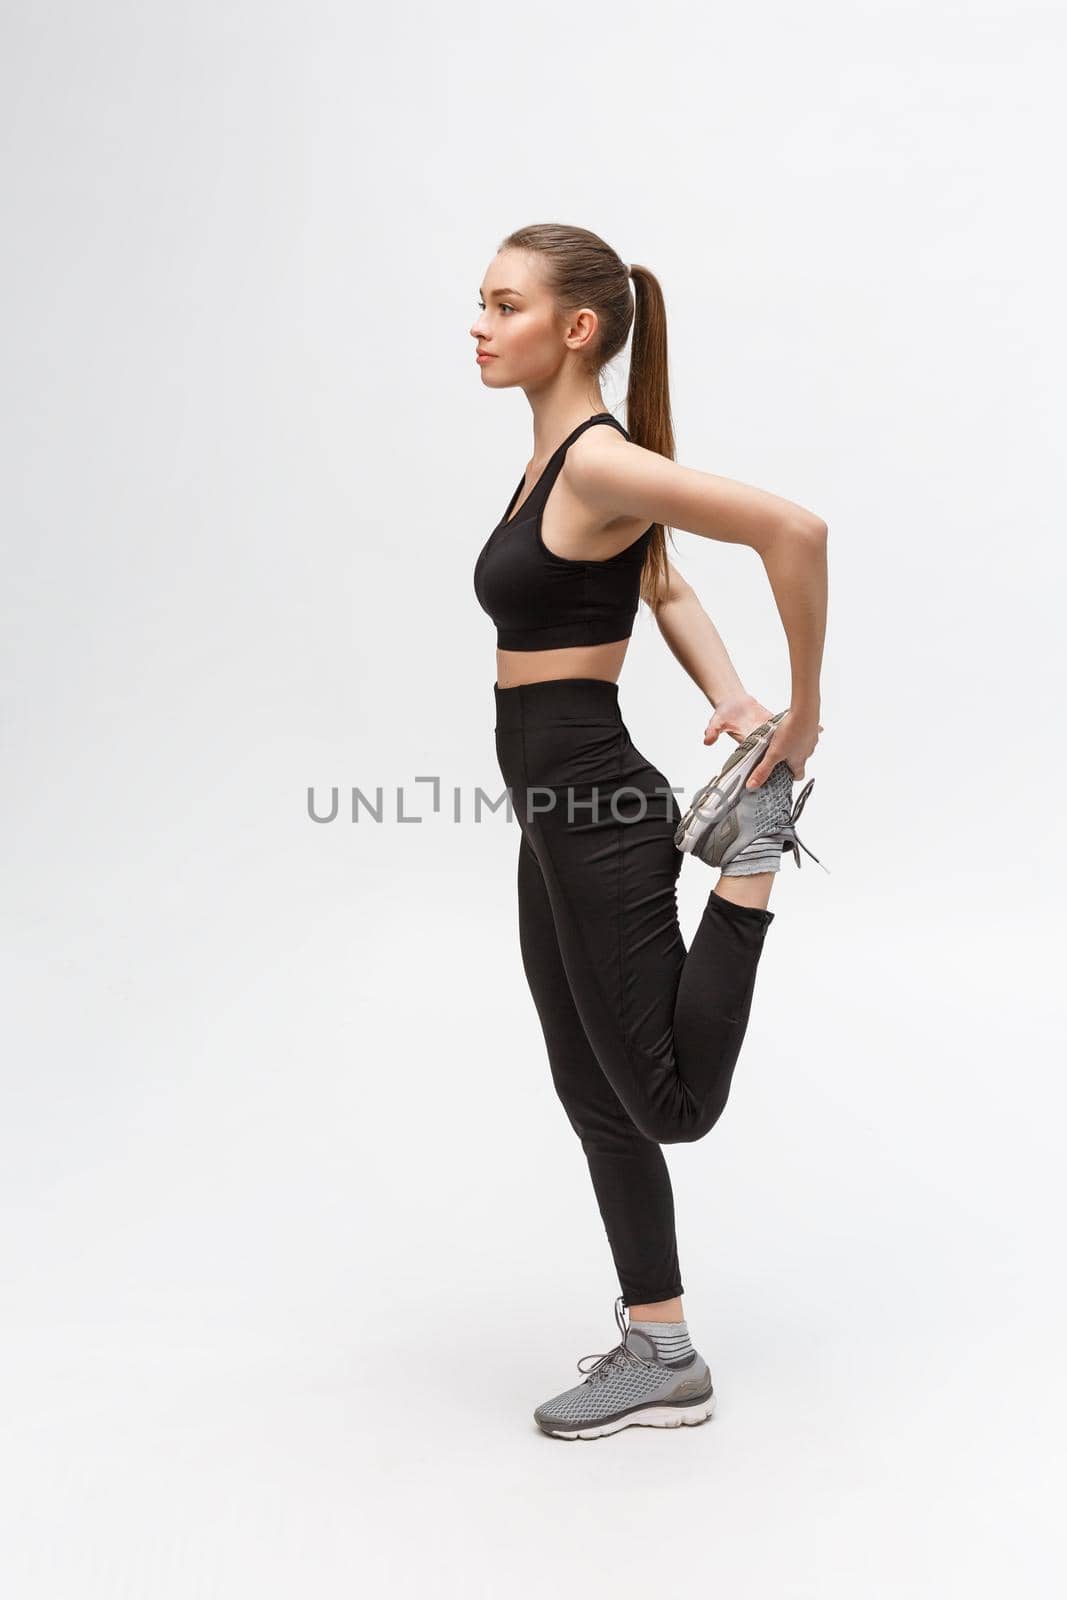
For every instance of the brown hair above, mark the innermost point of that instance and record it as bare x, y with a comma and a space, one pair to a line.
580, 269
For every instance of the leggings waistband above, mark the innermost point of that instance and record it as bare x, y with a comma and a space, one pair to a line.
556, 700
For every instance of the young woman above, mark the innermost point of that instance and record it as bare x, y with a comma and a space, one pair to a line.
642, 1034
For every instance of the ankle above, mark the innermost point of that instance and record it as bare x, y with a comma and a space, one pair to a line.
751, 890
657, 1311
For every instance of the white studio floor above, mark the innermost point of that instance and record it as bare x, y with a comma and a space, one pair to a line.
286, 1272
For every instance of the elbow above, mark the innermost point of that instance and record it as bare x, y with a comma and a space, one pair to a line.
802, 530
809, 526
673, 591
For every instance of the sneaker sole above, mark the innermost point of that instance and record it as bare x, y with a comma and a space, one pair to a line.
688, 1416
718, 798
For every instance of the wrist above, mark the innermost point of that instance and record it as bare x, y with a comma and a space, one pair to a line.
805, 710
726, 694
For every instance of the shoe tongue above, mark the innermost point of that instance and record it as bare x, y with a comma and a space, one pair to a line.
643, 1345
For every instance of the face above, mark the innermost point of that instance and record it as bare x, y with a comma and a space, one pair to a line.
519, 328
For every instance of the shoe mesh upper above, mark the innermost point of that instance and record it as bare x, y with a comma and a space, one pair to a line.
772, 801
625, 1385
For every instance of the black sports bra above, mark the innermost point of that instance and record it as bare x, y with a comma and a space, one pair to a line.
541, 601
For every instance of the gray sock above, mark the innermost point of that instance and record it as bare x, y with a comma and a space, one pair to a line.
762, 855
670, 1338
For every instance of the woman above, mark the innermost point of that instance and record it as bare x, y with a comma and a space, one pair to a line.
642, 1035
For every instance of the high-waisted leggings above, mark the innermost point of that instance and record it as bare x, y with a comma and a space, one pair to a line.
642, 1034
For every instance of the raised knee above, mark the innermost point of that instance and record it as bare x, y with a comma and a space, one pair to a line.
687, 1129
668, 1130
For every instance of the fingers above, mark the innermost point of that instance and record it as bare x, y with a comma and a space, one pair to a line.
765, 766
759, 775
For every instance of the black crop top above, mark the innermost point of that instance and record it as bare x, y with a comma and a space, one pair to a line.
542, 601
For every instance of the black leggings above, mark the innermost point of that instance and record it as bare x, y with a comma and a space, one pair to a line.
642, 1035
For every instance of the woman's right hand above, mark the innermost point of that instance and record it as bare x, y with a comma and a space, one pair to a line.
793, 741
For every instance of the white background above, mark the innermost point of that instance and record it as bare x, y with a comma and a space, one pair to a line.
296, 1234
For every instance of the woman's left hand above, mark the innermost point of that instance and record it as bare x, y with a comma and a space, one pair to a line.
736, 716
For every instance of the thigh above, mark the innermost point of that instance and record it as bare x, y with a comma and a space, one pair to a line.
611, 877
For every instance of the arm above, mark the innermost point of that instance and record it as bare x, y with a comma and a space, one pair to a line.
796, 566
696, 645
694, 641
617, 477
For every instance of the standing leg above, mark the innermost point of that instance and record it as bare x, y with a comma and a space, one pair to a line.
629, 1172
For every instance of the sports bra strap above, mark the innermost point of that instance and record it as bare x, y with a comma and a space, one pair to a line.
561, 450
554, 464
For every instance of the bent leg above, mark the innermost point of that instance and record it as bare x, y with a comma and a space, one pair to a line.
628, 1170
665, 1023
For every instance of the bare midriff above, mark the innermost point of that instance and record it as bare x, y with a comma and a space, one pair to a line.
573, 661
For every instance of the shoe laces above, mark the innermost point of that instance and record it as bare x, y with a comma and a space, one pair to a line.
787, 832
616, 1358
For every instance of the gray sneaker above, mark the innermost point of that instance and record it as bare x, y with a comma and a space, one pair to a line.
725, 817
759, 814
630, 1385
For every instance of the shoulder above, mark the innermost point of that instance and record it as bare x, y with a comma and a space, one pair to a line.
607, 471
593, 460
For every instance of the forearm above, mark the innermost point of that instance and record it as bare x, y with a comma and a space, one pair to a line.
694, 641
796, 566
